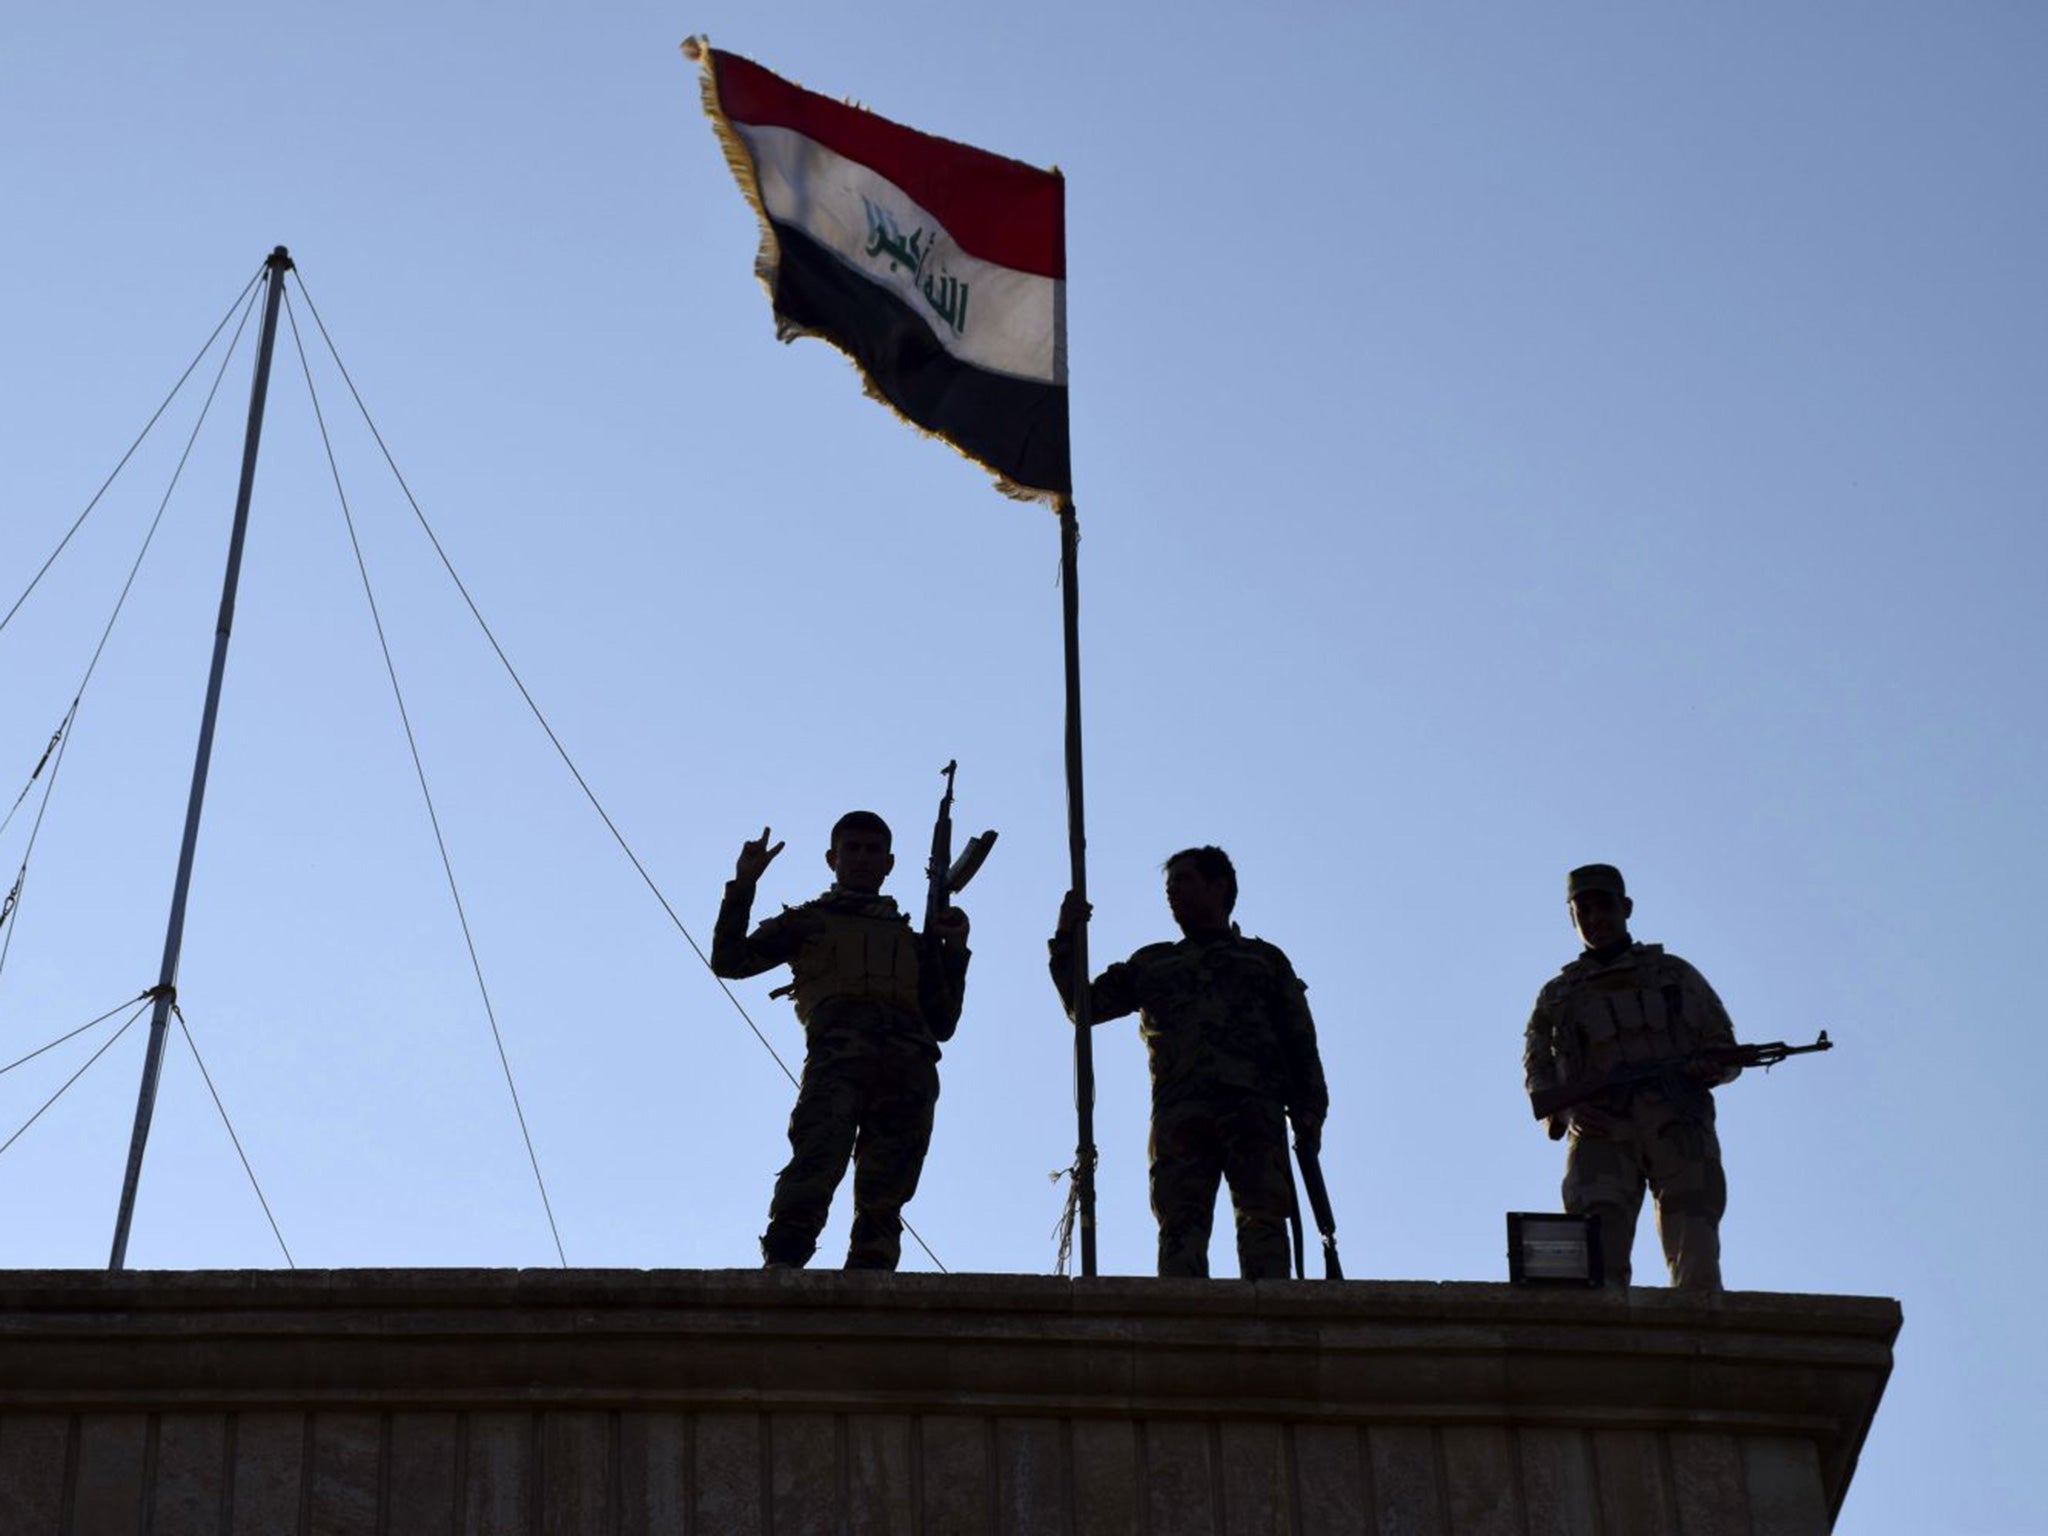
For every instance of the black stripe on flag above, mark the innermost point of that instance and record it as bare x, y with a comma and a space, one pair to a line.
1017, 427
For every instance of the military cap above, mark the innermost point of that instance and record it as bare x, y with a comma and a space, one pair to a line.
1594, 877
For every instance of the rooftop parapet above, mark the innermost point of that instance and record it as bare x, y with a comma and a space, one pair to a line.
741, 1401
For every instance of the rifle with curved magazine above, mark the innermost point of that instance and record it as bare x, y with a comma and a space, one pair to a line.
946, 876
1549, 1101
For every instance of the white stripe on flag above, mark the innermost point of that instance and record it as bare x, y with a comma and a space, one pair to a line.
991, 316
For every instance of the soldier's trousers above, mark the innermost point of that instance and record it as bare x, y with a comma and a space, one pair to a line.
1668, 1146
1242, 1139
871, 1101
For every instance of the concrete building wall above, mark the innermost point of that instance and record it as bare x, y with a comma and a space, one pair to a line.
381, 1402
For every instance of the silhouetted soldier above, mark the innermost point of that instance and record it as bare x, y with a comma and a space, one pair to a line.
1233, 1052
1619, 1003
874, 1010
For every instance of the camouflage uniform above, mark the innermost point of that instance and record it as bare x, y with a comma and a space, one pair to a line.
1233, 1050
874, 1013
1605, 1010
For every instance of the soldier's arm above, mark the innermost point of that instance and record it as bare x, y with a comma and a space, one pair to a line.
1116, 992
1703, 1009
735, 953
1308, 1093
1539, 1057
942, 987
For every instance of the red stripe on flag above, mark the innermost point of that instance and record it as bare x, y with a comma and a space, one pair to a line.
999, 209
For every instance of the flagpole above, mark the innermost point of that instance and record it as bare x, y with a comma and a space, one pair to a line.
1077, 853
165, 992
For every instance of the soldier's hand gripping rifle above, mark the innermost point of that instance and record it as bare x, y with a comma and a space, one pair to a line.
1550, 1101
944, 874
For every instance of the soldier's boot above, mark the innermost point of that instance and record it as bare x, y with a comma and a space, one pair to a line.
1184, 1252
1184, 1203
1262, 1194
1692, 1192
1692, 1243
876, 1241
786, 1245
797, 1212
1617, 1240
1263, 1251
1602, 1179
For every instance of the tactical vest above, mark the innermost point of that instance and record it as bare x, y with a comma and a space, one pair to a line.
1633, 1009
857, 958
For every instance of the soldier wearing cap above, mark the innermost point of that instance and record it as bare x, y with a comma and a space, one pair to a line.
1619, 1003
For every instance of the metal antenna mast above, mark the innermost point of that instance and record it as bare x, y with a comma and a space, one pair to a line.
165, 991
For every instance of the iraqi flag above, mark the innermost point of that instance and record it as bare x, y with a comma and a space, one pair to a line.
938, 268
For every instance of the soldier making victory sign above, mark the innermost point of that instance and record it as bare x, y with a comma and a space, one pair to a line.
1632, 1015
1233, 1054
875, 1003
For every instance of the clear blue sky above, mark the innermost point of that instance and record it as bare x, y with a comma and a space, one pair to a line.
1505, 436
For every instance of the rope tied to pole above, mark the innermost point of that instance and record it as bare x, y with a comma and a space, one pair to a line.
1070, 1212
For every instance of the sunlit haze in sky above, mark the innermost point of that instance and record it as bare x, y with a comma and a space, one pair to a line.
1505, 436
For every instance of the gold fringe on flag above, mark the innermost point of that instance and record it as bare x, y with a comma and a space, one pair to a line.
768, 263
768, 260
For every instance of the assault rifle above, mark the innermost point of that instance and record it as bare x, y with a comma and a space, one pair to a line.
1549, 1101
1326, 1219
945, 874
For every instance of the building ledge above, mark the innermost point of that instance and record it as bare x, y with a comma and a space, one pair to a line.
1756, 1388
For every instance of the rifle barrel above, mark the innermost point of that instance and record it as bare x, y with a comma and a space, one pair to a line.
1554, 1100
